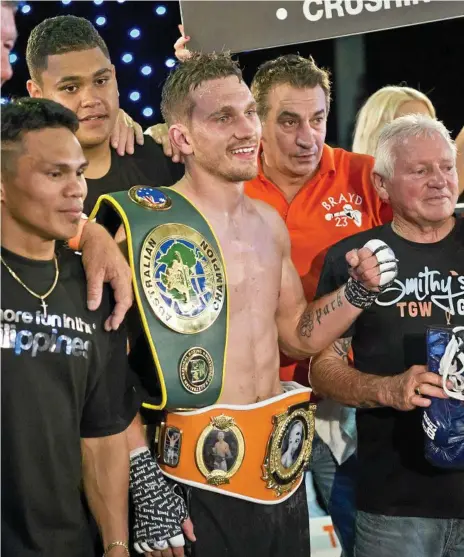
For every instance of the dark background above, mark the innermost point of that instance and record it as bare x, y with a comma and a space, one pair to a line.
424, 56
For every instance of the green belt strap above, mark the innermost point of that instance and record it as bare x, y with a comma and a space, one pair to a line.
181, 292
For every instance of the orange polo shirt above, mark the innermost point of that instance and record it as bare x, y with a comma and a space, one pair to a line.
337, 202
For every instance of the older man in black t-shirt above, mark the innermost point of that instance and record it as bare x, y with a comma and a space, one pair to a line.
407, 506
66, 396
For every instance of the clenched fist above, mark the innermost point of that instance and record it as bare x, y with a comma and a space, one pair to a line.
371, 269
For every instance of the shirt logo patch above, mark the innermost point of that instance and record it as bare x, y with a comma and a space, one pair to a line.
343, 210
430, 289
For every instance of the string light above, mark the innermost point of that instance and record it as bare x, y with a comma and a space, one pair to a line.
170, 62
26, 9
134, 96
147, 111
145, 70
134, 33
127, 58
161, 10
100, 21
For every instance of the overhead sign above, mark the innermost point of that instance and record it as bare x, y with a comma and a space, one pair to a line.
250, 25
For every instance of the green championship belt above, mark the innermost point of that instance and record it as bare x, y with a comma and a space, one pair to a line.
181, 292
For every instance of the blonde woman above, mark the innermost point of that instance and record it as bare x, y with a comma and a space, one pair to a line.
387, 104
383, 107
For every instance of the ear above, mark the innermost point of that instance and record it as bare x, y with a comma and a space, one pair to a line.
3, 193
379, 184
181, 139
34, 89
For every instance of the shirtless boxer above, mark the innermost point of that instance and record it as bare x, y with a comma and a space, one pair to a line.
213, 121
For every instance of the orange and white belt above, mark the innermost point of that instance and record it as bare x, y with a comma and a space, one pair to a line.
256, 452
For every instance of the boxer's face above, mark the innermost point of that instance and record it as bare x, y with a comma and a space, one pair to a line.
8, 40
44, 193
294, 130
225, 129
424, 187
85, 82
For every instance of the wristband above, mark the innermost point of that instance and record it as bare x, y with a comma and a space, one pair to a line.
358, 295
73, 243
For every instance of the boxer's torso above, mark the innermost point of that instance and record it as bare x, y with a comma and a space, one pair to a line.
253, 258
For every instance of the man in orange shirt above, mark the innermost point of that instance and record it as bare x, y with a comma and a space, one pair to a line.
323, 195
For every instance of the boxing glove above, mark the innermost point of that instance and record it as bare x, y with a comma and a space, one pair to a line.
443, 420
443, 423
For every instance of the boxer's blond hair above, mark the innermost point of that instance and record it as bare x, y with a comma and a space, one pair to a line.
380, 109
293, 70
176, 100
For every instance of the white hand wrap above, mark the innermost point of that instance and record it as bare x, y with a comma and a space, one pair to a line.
356, 293
159, 512
388, 264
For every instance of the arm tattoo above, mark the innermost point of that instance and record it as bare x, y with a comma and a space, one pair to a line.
307, 320
341, 347
307, 324
329, 307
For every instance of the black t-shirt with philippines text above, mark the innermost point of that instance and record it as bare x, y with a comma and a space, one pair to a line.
63, 378
394, 478
148, 166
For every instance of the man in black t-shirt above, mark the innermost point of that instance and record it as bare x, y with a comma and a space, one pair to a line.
406, 505
69, 63
66, 396
106, 263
